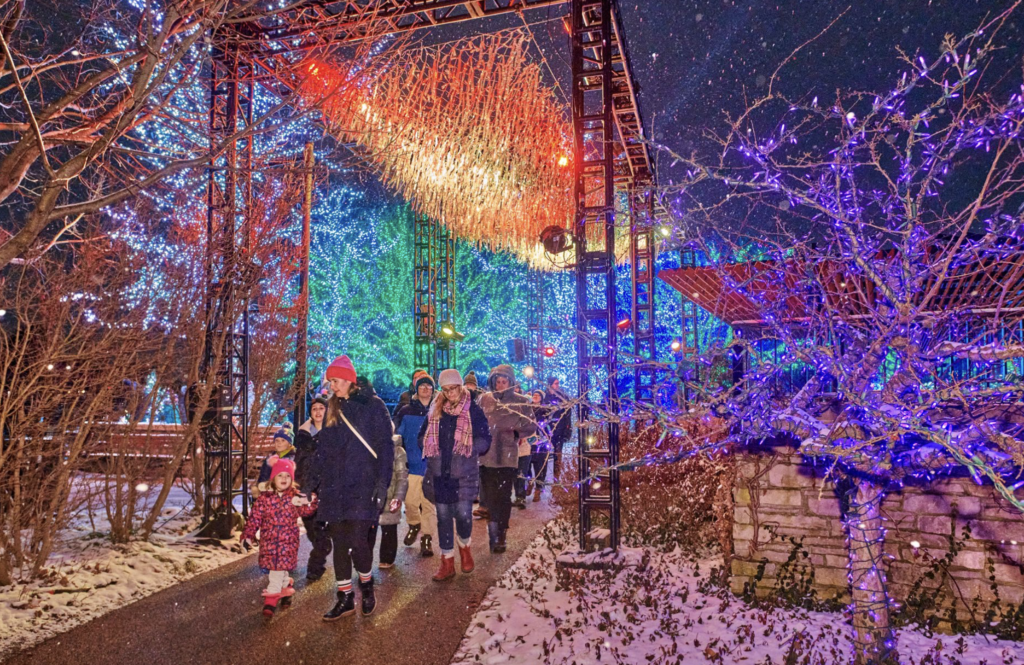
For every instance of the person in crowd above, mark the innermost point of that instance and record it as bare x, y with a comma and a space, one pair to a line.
390, 518
470, 385
407, 396
352, 467
510, 419
275, 517
559, 421
540, 449
283, 449
524, 475
453, 437
305, 449
419, 513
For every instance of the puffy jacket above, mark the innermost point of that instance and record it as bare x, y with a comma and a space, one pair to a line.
449, 477
350, 483
558, 420
268, 465
276, 518
305, 449
510, 417
399, 486
407, 423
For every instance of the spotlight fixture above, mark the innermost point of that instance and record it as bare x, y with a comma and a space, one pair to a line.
676, 345
624, 324
549, 351
555, 239
528, 371
448, 330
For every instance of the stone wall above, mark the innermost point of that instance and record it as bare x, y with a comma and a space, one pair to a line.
777, 494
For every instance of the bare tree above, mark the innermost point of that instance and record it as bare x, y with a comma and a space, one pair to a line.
867, 253
93, 119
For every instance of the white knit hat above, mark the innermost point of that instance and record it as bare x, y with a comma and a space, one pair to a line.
449, 377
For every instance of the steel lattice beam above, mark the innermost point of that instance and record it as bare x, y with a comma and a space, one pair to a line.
433, 294
642, 254
594, 70
229, 193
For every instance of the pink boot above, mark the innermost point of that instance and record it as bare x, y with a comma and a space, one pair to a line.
270, 601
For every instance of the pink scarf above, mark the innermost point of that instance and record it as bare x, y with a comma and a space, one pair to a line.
463, 427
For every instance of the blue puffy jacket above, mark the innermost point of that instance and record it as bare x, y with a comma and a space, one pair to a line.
407, 423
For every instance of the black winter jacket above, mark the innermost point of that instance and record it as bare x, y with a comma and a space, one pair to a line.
350, 483
305, 449
451, 478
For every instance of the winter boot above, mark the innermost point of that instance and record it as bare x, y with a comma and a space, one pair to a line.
270, 601
536, 494
466, 560
481, 513
447, 569
369, 600
286, 595
410, 537
520, 502
499, 547
346, 605
426, 548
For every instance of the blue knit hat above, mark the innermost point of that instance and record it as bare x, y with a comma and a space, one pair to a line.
285, 433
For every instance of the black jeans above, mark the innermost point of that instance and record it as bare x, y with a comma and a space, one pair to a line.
388, 541
556, 453
539, 463
496, 493
316, 531
351, 547
523, 476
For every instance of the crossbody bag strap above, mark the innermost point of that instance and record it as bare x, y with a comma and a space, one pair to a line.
358, 435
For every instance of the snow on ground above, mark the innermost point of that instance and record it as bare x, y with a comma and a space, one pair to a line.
89, 576
659, 613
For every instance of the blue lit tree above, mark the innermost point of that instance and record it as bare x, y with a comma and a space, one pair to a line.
889, 233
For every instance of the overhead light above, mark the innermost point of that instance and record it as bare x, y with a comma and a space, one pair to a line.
528, 371
665, 231
676, 345
563, 161
549, 351
624, 324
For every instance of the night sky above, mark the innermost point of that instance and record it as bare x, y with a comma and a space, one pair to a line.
696, 60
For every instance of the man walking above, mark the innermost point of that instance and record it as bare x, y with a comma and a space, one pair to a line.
419, 513
559, 420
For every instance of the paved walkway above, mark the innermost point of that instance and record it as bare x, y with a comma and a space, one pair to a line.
215, 618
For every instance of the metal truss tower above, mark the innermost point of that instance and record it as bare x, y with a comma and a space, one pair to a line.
642, 253
690, 339
229, 193
433, 294
535, 322
594, 134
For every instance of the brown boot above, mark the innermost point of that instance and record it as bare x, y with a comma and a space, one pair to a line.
536, 495
466, 559
447, 569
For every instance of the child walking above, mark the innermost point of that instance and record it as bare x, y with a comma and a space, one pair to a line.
275, 515
392, 514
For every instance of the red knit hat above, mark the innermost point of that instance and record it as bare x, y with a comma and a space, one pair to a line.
341, 368
283, 466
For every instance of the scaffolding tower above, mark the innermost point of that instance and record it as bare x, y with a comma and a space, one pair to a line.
433, 294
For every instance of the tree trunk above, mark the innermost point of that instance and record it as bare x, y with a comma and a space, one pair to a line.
874, 640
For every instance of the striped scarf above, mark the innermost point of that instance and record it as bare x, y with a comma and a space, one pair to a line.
463, 427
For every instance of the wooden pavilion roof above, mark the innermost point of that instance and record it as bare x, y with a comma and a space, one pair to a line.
747, 294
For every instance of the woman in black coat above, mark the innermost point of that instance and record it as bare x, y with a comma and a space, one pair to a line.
353, 466
452, 437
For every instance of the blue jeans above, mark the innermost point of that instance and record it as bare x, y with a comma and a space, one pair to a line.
461, 514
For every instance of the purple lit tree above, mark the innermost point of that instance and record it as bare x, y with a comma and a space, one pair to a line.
881, 322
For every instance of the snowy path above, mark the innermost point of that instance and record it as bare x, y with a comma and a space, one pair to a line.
215, 617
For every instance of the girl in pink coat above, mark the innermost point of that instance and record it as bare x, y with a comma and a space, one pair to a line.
275, 515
